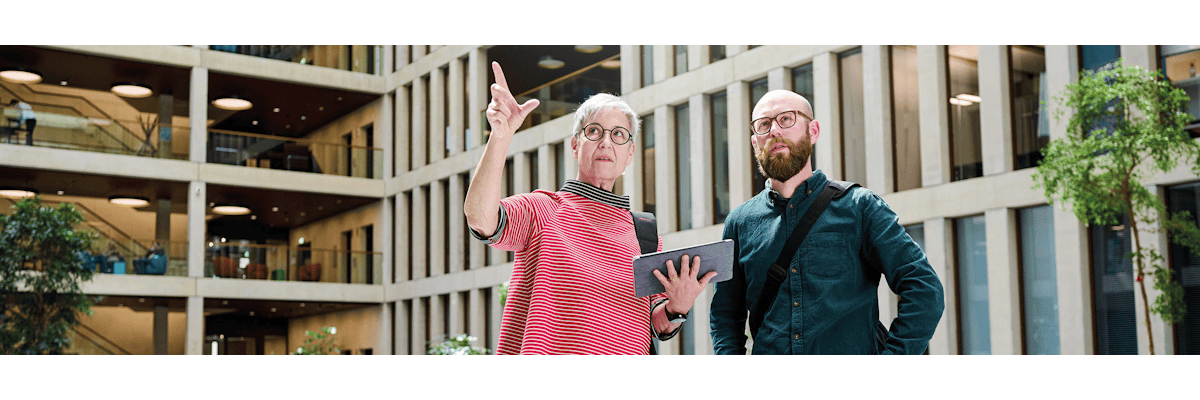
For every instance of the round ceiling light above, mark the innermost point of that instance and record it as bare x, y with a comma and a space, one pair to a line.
610, 64
131, 90
129, 201
548, 62
588, 48
20, 76
232, 103
227, 209
17, 193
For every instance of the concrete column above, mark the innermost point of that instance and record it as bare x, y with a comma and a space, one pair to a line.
160, 329
418, 326
194, 336
701, 156
631, 72
197, 204
403, 131
162, 222
437, 228
1004, 294
935, 120
634, 180
457, 82
497, 314
877, 124
389, 65
477, 319
458, 225
702, 339
995, 87
418, 52
437, 116
420, 231
778, 78
478, 93
698, 56
732, 50
198, 115
826, 86
383, 341
521, 167
939, 249
382, 274
1062, 68
741, 163
1142, 56
664, 62
402, 329
1152, 236
455, 309
166, 111
571, 164
384, 137
420, 129
664, 168
403, 55
546, 170
1075, 322
403, 263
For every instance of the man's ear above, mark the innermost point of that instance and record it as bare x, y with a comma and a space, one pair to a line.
814, 131
575, 146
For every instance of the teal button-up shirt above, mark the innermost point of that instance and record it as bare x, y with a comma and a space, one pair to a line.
828, 304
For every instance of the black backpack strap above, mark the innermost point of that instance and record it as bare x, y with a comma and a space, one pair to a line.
778, 271
646, 227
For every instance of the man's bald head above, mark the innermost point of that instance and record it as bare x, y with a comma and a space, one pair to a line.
789, 100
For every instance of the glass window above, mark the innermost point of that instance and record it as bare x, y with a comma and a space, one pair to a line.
906, 118
1112, 290
1039, 280
966, 149
974, 323
854, 150
1095, 58
758, 181
716, 53
1186, 267
681, 60
560, 164
533, 171
647, 65
468, 140
448, 140
1031, 126
720, 156
1180, 63
802, 84
683, 157
648, 202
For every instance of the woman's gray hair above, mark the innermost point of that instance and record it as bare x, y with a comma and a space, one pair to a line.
601, 101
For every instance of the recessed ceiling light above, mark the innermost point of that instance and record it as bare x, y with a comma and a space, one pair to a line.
276, 109
142, 300
23, 76
252, 313
99, 121
129, 201
549, 62
611, 64
301, 304
276, 209
224, 302
232, 103
588, 48
16, 192
969, 97
229, 209
64, 83
253, 217
287, 127
255, 122
132, 90
60, 193
272, 309
339, 98
320, 108
303, 117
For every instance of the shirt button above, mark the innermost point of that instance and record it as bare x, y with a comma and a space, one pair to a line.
809, 191
793, 270
795, 304
791, 206
796, 337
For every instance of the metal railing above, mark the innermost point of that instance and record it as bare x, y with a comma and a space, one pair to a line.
293, 154
367, 59
282, 263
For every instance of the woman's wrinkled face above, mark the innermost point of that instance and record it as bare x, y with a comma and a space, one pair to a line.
601, 161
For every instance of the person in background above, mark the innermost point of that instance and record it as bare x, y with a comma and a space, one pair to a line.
25, 117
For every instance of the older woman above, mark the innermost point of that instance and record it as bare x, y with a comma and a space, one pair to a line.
571, 290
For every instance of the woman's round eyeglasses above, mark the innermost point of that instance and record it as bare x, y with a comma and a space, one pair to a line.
594, 132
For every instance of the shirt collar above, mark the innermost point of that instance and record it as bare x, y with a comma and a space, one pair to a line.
807, 187
595, 194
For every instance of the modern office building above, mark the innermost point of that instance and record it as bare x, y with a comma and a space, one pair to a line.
296, 187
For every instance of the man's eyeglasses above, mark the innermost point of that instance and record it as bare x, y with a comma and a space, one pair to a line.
785, 120
594, 132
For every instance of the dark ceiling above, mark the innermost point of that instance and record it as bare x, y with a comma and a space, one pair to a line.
215, 306
318, 106
523, 74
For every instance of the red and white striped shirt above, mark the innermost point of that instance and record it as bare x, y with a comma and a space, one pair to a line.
571, 290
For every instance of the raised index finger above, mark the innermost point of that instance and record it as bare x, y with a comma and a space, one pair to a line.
499, 75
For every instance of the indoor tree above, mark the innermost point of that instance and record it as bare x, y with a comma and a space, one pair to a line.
40, 274
1127, 125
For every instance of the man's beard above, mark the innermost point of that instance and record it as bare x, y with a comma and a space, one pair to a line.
780, 167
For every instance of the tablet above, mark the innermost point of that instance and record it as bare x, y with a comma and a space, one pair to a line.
715, 256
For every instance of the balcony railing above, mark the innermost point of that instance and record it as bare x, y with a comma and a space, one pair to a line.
90, 134
292, 154
367, 59
281, 263
138, 257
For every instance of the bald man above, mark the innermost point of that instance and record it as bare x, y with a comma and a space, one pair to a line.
827, 302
